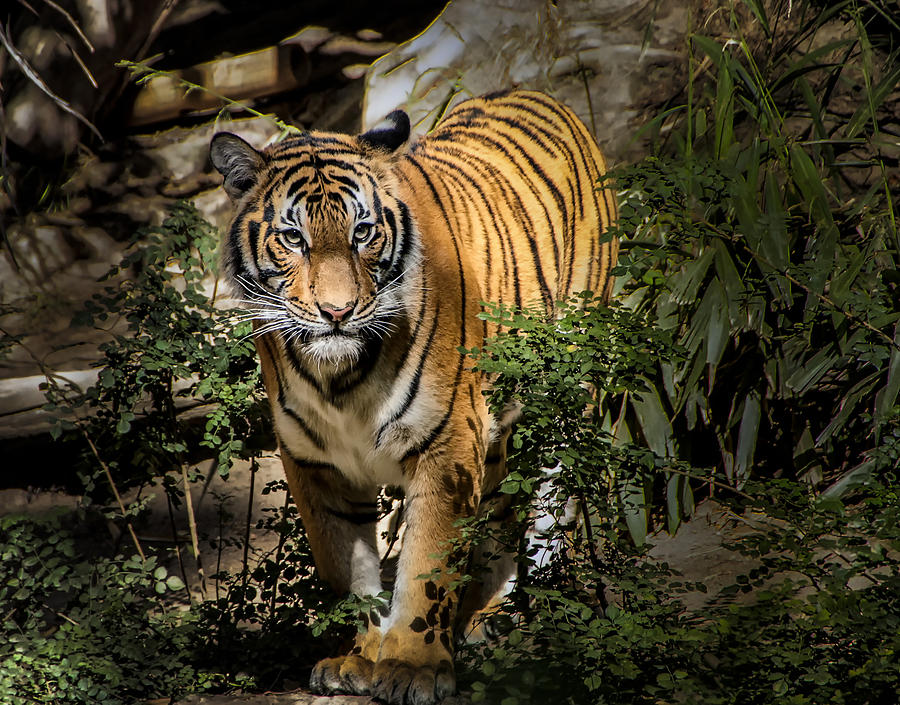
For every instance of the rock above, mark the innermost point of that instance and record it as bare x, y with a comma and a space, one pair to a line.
592, 56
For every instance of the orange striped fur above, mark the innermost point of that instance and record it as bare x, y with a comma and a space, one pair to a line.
365, 263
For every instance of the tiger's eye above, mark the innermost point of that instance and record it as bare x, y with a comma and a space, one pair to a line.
293, 238
363, 232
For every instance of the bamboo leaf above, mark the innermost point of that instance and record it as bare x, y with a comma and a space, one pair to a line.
810, 373
687, 280
887, 395
840, 284
673, 501
696, 330
724, 111
747, 435
810, 62
775, 241
858, 475
710, 47
821, 255
634, 508
860, 391
653, 421
687, 499
759, 11
728, 275
718, 331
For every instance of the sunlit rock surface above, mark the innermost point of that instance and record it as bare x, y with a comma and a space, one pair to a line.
614, 62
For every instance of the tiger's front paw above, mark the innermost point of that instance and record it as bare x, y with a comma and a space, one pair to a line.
398, 682
343, 674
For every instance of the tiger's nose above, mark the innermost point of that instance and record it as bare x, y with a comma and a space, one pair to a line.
335, 314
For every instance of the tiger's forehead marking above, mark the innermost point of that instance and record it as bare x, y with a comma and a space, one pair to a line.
317, 182
293, 213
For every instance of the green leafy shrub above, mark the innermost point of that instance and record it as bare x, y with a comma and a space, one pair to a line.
177, 350
592, 620
598, 622
764, 246
96, 629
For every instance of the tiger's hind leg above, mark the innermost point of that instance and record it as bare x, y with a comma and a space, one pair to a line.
492, 562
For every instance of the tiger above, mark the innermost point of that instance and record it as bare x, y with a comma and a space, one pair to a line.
365, 260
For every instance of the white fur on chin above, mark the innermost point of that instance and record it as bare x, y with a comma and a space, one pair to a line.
334, 349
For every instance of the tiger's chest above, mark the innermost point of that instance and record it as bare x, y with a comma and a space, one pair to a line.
366, 435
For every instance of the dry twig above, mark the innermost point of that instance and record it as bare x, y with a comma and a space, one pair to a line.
65, 13
35, 78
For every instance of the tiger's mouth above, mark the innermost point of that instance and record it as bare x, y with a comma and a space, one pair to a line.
334, 346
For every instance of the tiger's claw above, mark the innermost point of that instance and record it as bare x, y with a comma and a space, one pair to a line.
343, 674
399, 683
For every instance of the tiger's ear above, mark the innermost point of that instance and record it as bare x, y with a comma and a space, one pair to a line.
388, 134
237, 161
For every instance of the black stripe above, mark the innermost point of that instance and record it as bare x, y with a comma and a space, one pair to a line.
298, 368
235, 235
296, 186
413, 387
253, 236
316, 439
344, 384
281, 397
462, 281
352, 184
308, 464
413, 339
376, 201
436, 431
404, 235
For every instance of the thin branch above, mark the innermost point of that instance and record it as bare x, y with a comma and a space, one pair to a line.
112, 484
87, 71
143, 73
600, 588
192, 523
822, 297
65, 13
39, 82
157, 25
710, 479
177, 543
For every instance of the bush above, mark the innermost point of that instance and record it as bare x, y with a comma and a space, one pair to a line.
177, 350
95, 630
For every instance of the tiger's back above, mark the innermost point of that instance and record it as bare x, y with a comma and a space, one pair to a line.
515, 176
366, 265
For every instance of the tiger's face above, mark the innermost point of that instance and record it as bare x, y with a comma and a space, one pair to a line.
321, 248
